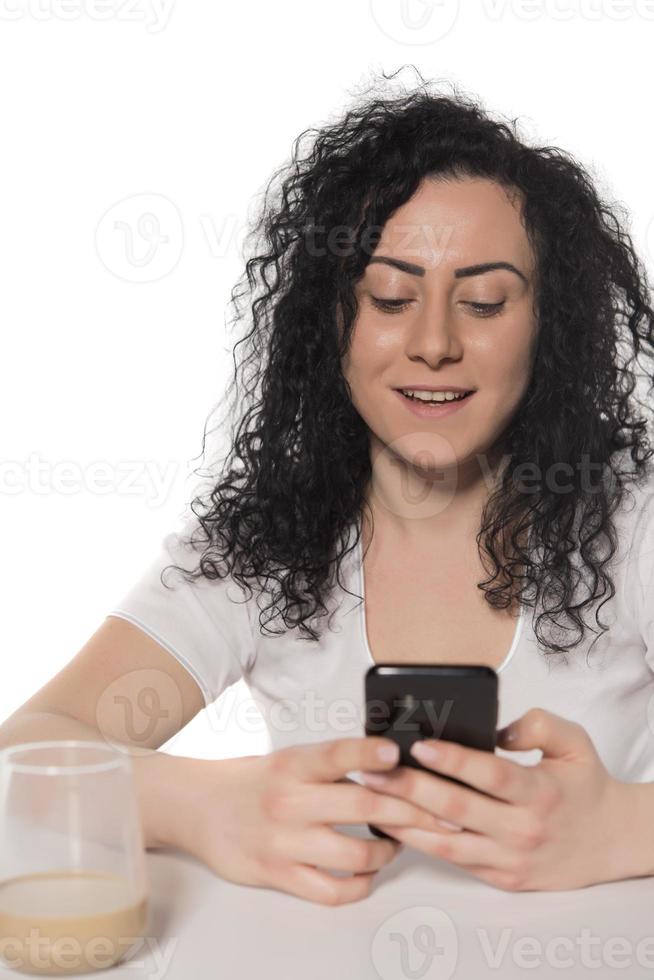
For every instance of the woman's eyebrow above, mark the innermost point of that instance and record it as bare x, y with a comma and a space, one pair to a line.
468, 270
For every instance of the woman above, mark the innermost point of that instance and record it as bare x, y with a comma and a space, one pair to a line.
417, 247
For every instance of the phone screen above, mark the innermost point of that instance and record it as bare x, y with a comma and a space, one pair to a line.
409, 702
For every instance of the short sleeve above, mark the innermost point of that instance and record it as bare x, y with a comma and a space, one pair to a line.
203, 623
640, 576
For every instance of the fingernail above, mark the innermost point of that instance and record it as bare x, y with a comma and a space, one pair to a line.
450, 826
425, 753
388, 753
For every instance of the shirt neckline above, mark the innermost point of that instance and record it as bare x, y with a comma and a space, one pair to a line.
363, 630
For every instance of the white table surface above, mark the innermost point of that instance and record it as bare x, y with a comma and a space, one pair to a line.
201, 926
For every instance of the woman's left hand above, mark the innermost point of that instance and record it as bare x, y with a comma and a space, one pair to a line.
559, 824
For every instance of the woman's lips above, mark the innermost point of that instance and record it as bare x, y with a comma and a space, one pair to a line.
424, 410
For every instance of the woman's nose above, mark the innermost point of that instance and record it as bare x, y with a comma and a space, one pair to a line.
432, 337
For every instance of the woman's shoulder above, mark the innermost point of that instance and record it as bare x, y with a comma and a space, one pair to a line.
189, 548
637, 503
633, 520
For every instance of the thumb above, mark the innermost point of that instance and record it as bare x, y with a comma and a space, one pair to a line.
556, 736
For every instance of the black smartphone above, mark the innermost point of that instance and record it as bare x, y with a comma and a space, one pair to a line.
408, 702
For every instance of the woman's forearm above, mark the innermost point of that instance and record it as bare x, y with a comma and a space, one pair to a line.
164, 783
634, 832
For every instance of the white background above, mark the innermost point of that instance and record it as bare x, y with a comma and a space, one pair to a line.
115, 352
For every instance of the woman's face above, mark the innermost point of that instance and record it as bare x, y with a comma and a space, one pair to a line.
436, 335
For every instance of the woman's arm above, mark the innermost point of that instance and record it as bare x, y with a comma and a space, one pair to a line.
165, 784
98, 695
637, 834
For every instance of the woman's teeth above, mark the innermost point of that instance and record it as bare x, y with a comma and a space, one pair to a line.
432, 396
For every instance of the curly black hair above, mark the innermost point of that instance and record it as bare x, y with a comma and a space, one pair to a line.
294, 480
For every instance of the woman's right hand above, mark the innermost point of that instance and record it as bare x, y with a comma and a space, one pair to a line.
264, 820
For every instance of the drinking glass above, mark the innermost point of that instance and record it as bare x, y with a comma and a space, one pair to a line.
73, 885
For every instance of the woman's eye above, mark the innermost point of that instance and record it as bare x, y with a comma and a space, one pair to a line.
390, 305
486, 309
397, 305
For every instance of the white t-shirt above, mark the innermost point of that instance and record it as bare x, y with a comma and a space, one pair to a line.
310, 691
